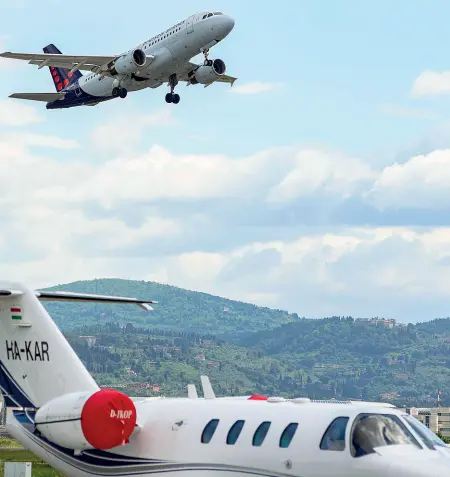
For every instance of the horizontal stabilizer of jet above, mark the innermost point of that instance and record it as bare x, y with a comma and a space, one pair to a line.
45, 97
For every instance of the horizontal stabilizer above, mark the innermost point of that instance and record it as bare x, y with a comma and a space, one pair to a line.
70, 296
46, 97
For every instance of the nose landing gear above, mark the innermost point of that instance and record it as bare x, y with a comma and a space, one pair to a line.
172, 97
207, 62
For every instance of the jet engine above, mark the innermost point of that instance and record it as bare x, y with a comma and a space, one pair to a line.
128, 63
88, 420
208, 74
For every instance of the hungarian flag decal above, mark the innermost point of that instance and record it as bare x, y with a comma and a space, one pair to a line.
16, 313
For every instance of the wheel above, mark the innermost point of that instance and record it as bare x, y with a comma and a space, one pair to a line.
169, 97
176, 98
123, 93
115, 92
208, 62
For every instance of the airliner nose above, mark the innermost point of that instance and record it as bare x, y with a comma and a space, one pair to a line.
228, 24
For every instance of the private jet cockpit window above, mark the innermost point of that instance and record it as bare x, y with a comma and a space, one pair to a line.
377, 430
334, 437
429, 438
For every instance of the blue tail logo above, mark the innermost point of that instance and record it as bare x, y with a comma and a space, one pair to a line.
62, 77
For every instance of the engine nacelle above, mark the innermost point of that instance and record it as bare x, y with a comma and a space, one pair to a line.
128, 63
88, 420
208, 74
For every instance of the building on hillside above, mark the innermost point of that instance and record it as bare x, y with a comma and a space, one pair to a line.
387, 322
89, 340
437, 419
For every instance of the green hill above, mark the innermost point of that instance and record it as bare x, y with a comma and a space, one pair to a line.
405, 364
176, 309
246, 349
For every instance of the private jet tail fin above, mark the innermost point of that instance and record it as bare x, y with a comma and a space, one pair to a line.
37, 363
45, 97
61, 77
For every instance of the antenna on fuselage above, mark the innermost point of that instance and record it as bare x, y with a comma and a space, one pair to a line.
208, 392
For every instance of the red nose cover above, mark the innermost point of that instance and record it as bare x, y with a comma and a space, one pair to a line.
257, 397
108, 419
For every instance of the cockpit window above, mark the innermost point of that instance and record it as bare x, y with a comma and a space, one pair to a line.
334, 437
378, 430
218, 13
210, 15
429, 438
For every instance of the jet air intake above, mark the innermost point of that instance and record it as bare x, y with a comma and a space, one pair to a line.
208, 74
128, 63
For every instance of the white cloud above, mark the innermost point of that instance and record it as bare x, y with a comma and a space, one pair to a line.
390, 272
53, 228
432, 83
422, 182
399, 111
14, 113
315, 170
123, 133
255, 88
280, 175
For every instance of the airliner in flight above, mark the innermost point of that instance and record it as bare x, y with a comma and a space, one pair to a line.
57, 410
164, 58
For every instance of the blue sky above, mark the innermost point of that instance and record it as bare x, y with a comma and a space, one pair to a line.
310, 196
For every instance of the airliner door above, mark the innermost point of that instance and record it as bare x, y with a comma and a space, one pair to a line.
190, 25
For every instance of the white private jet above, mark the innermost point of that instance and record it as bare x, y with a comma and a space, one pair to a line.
164, 58
56, 409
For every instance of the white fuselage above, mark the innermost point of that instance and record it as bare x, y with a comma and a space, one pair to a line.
170, 441
172, 49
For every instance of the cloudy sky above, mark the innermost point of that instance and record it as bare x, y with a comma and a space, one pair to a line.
319, 183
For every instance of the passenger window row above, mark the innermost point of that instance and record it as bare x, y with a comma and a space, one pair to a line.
258, 436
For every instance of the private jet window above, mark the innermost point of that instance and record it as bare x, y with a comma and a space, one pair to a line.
378, 430
429, 438
209, 430
260, 433
288, 434
334, 437
234, 432
210, 15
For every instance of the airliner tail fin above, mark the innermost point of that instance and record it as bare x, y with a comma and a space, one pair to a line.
62, 77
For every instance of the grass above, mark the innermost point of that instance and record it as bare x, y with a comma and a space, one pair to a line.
13, 451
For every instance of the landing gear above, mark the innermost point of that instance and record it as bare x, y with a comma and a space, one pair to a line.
172, 97
122, 92
206, 54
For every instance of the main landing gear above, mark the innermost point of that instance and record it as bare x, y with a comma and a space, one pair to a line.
122, 92
172, 97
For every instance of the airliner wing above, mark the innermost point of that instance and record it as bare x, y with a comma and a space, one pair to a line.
192, 66
45, 97
79, 62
